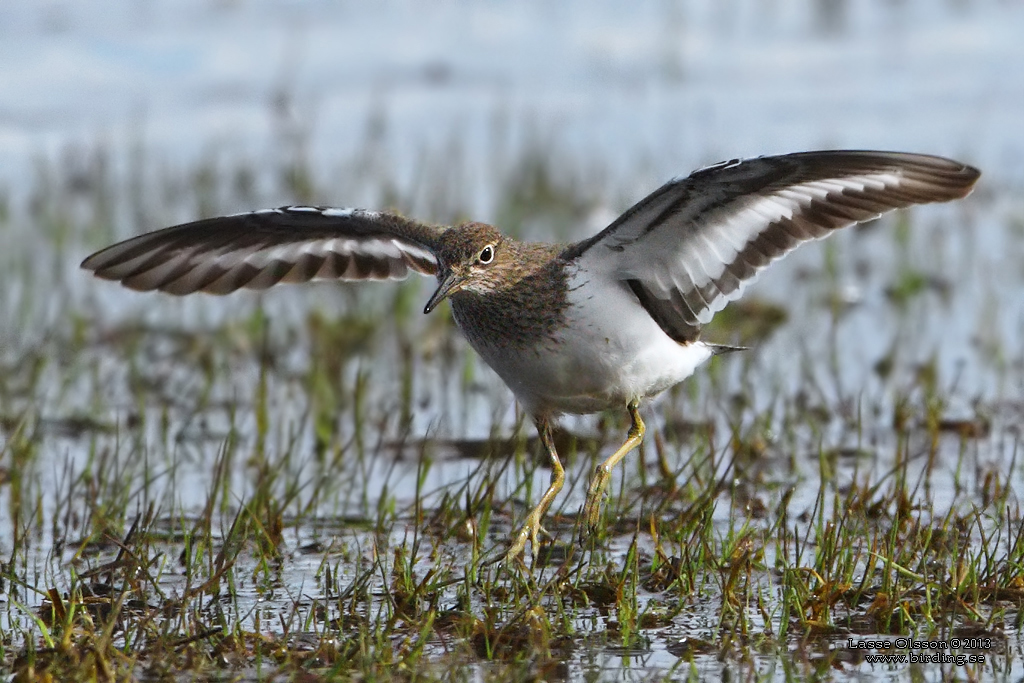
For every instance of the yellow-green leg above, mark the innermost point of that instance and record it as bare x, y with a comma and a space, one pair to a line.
603, 473
532, 525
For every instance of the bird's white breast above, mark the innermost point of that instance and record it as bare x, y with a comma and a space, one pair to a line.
608, 352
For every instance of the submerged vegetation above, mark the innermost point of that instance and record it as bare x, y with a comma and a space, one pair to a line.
314, 483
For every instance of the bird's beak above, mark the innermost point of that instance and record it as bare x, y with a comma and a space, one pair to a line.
451, 282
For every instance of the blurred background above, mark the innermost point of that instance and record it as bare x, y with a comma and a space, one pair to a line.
632, 92
118, 117
899, 341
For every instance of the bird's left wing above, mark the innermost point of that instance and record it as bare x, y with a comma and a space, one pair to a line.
260, 249
688, 248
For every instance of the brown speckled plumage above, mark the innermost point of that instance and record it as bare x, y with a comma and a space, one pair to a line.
527, 304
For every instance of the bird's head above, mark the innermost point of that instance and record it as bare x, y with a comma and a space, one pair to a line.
472, 257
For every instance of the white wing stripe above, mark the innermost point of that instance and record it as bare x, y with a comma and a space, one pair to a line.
705, 259
742, 227
227, 257
721, 233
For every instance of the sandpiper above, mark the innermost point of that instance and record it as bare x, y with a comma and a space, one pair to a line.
570, 328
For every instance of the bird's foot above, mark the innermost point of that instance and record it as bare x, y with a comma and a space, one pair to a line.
528, 532
592, 508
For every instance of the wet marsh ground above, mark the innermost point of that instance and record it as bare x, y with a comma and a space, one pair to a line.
311, 484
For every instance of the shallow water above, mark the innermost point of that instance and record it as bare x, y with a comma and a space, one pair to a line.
441, 103
654, 87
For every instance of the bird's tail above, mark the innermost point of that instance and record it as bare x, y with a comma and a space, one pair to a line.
719, 349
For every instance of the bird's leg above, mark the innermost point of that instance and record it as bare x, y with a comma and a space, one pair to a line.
603, 472
532, 525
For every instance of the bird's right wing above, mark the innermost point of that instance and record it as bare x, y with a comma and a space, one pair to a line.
260, 249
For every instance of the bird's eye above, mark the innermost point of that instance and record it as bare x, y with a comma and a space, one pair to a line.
486, 254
